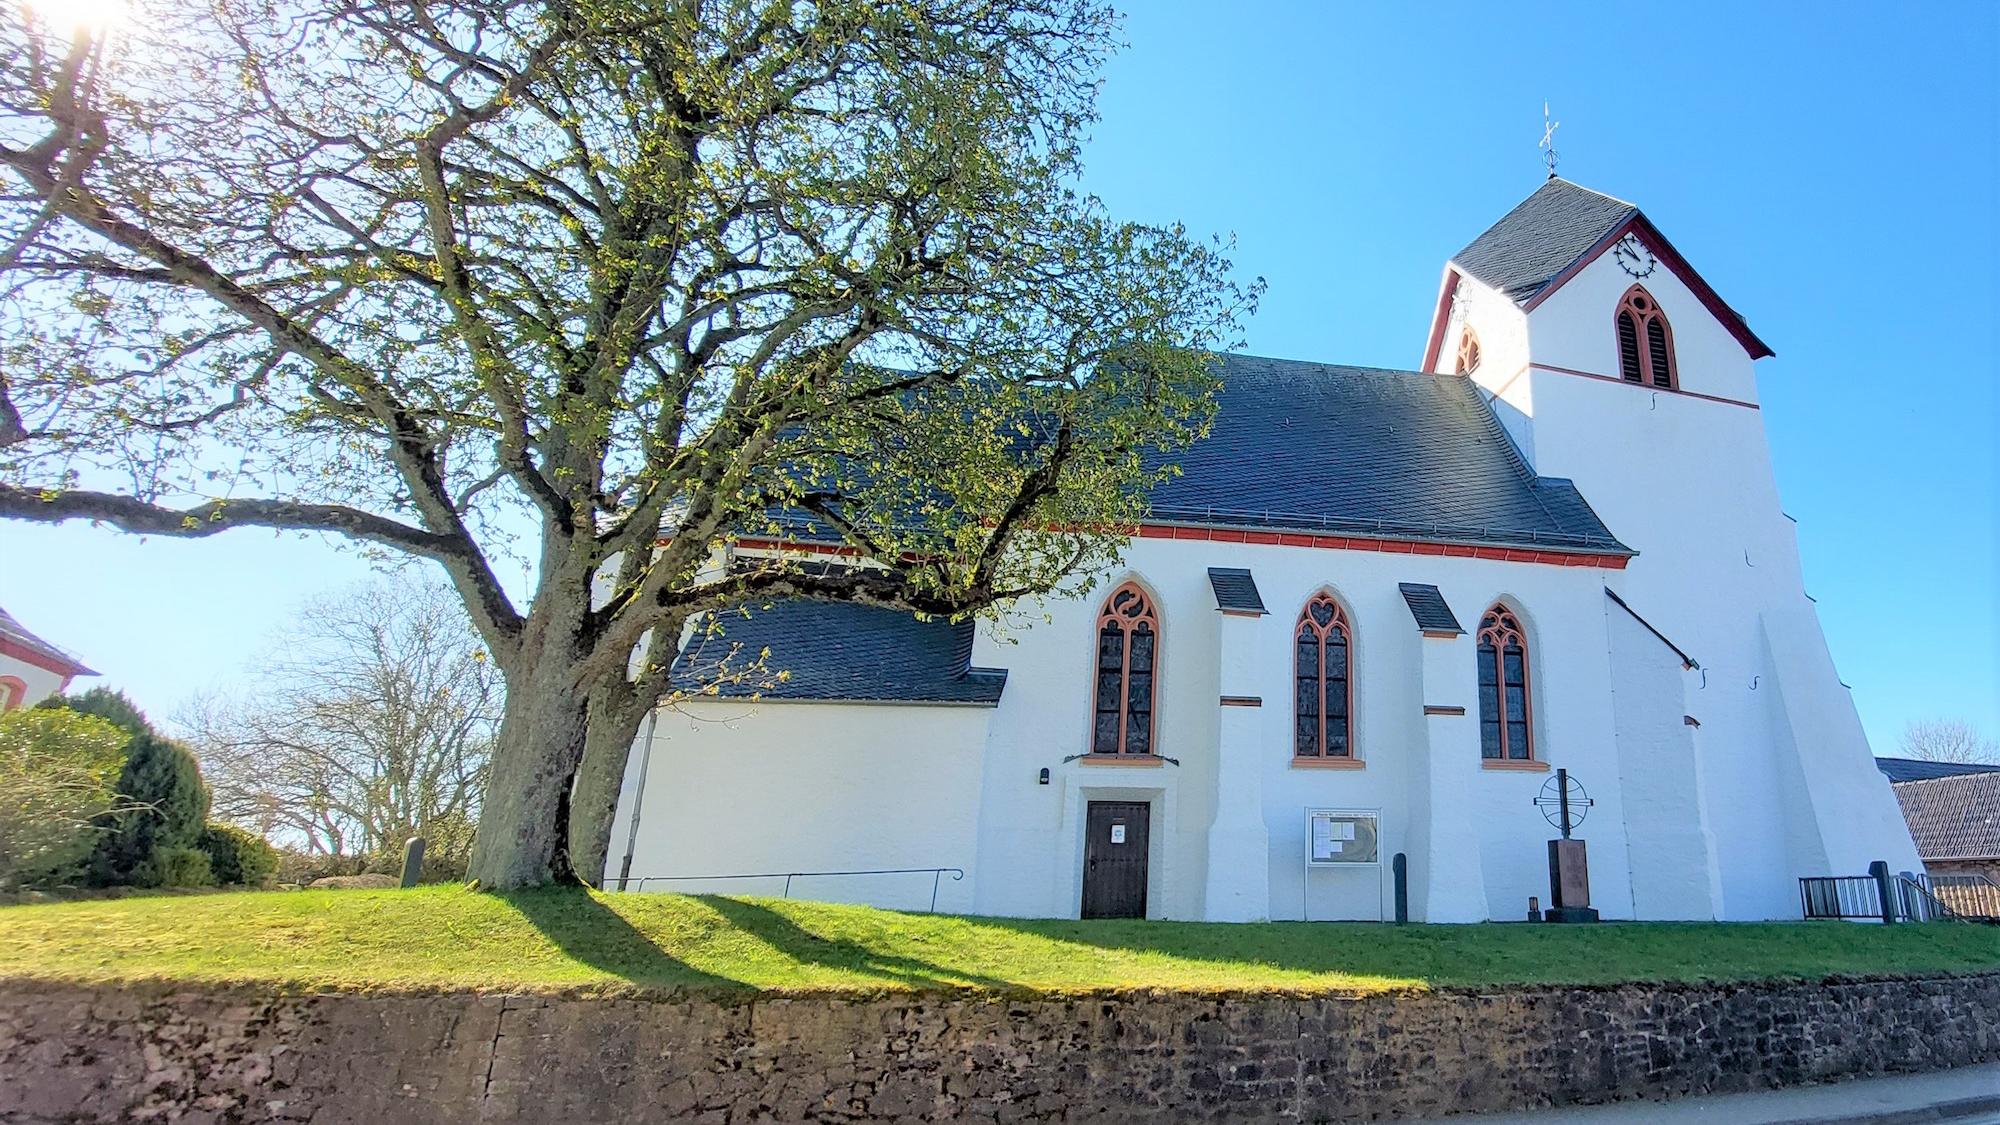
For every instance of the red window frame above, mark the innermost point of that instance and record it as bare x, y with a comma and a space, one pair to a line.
1128, 614
1645, 341
1500, 630
1317, 637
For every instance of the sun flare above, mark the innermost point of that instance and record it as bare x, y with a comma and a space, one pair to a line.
94, 16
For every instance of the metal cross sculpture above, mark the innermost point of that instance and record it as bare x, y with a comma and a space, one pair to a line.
1549, 128
1564, 802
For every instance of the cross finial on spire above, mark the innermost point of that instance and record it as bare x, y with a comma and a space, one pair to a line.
1549, 128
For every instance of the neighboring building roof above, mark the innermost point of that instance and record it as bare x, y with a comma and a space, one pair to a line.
1916, 769
1235, 590
1427, 605
1560, 228
1541, 237
16, 641
1953, 817
1300, 446
833, 651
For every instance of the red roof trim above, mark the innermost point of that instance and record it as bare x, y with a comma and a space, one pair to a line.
1446, 288
1650, 235
1383, 544
1386, 545
46, 661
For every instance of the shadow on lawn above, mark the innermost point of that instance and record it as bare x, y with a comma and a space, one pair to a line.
594, 934
802, 945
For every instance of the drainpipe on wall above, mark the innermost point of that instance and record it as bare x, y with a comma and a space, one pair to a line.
638, 800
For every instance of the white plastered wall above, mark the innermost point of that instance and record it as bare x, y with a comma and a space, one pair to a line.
1686, 480
38, 683
1423, 774
745, 788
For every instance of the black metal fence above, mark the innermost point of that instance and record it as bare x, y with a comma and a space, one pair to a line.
1880, 896
1841, 896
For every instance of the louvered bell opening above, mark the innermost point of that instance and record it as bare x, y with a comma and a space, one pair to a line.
1628, 348
1656, 350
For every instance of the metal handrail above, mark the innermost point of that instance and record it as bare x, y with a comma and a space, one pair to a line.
937, 874
1969, 895
1921, 904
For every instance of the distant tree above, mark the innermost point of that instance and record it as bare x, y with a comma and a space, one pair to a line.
613, 284
58, 772
371, 720
1948, 740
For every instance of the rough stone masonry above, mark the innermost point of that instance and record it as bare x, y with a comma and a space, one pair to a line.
216, 1055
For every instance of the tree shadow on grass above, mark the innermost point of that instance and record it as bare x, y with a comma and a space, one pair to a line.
582, 926
849, 957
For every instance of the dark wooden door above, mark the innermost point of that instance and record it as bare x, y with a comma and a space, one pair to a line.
1114, 859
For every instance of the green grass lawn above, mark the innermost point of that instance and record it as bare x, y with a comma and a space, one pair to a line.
569, 940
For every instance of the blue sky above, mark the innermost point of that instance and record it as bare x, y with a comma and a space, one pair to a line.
1829, 168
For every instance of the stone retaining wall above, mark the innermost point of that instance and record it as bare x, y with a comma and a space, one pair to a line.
74, 1054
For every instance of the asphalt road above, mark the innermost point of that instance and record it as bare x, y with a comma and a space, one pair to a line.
1966, 1096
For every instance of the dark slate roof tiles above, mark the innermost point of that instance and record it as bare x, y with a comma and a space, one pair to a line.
1400, 454
1428, 606
1541, 237
1915, 769
1235, 590
1953, 817
839, 652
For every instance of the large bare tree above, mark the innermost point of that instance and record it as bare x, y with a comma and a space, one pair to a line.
1948, 740
368, 720
619, 285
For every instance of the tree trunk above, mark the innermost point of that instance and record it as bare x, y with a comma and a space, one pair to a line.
607, 748
522, 836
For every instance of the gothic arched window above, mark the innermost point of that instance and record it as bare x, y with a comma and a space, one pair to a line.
1323, 683
1645, 342
1468, 351
1128, 660
1506, 718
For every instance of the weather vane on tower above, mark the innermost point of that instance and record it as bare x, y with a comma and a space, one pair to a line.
1549, 128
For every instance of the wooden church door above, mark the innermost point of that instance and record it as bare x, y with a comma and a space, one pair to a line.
1114, 859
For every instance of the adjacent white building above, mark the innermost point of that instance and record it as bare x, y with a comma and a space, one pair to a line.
1372, 618
32, 669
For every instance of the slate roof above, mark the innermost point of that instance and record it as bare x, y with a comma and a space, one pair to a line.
1427, 605
1553, 229
1235, 590
1541, 237
1953, 817
1915, 769
13, 632
838, 652
1304, 446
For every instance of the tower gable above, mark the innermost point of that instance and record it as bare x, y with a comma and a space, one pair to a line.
1552, 236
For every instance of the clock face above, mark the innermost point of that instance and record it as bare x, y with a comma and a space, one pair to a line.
1633, 257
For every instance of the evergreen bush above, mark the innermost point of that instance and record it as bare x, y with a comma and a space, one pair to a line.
177, 866
112, 706
163, 804
237, 856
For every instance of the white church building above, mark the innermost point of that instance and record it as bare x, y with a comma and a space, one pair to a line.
1372, 618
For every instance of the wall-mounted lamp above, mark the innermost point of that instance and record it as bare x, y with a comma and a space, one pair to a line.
1044, 779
